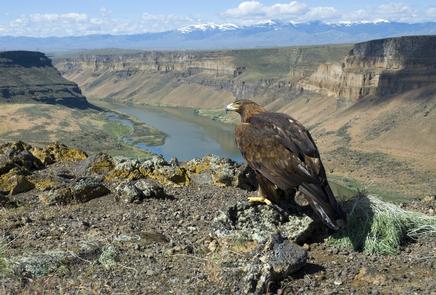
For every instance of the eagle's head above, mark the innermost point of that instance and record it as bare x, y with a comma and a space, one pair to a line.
245, 107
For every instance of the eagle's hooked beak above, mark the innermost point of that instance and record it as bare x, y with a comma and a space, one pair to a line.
232, 107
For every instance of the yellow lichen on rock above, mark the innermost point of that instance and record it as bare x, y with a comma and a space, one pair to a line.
123, 174
63, 153
57, 152
102, 164
43, 155
14, 182
169, 175
197, 167
44, 184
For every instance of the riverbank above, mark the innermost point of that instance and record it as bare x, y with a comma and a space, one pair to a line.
89, 129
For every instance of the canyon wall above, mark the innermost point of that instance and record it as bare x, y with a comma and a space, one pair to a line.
378, 68
27, 76
204, 79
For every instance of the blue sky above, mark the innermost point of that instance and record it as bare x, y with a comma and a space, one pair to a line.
81, 17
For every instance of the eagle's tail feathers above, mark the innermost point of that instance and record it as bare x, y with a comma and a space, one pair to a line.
324, 204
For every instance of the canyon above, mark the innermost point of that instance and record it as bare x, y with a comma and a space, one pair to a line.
370, 106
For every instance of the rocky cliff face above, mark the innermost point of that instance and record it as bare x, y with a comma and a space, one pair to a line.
215, 77
30, 76
379, 68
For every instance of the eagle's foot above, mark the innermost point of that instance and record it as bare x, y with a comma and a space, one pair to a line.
259, 199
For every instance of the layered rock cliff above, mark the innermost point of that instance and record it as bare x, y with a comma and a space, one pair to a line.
27, 76
206, 79
379, 68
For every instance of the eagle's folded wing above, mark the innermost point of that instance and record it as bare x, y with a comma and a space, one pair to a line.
264, 149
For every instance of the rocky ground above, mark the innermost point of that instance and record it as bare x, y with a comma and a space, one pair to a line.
78, 224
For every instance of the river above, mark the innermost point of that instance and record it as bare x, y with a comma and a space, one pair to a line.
188, 134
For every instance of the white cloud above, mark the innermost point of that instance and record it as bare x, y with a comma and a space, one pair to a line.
72, 24
321, 13
397, 12
250, 9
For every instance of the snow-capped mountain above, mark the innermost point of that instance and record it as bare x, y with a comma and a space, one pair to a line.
229, 36
208, 27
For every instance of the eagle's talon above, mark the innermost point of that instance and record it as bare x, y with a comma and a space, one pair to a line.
259, 199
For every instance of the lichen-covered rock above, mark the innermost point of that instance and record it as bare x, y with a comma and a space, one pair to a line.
152, 164
43, 264
263, 237
98, 164
221, 172
40, 265
125, 169
79, 191
14, 182
129, 193
247, 222
43, 155
278, 259
137, 191
163, 172
171, 175
17, 155
55, 152
45, 183
150, 189
61, 152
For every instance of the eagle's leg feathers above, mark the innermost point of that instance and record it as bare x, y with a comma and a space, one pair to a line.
259, 199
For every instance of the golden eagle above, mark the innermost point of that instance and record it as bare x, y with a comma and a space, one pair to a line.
284, 157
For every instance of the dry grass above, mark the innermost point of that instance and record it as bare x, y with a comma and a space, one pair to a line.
378, 227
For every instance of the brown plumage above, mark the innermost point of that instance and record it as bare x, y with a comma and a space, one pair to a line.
284, 156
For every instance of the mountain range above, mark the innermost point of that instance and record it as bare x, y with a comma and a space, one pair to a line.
227, 36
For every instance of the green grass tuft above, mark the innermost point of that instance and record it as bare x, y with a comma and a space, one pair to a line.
109, 256
378, 227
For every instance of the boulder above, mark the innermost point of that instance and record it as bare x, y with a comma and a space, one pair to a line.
159, 169
221, 172
129, 193
79, 191
100, 164
261, 241
137, 191
61, 152
55, 152
171, 175
17, 155
150, 189
14, 182
248, 222
278, 259
42, 264
124, 168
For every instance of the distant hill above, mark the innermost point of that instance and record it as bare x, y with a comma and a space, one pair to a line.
227, 36
27, 76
